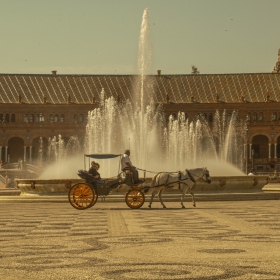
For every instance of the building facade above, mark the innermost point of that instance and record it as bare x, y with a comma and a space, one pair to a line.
45, 106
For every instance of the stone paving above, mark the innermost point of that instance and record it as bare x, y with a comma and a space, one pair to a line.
216, 240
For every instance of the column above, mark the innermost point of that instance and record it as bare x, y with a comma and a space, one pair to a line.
269, 150
275, 150
250, 151
24, 153
6, 153
30, 154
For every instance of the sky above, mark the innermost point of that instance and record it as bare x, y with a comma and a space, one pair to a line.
101, 36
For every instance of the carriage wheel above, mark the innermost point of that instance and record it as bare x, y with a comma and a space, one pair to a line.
94, 201
81, 196
134, 199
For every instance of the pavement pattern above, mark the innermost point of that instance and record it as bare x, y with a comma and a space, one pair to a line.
215, 240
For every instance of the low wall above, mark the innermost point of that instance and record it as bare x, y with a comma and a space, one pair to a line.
46, 187
233, 184
218, 184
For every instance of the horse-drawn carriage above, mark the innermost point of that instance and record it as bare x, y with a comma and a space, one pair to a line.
84, 195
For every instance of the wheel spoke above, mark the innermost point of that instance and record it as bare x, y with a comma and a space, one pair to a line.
81, 196
135, 199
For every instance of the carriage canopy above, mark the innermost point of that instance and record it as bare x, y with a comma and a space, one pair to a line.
103, 156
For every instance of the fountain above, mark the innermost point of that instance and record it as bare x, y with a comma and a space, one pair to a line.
160, 144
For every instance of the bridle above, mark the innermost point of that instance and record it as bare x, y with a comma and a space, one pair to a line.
205, 173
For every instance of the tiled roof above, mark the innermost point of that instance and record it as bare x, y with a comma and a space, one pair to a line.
180, 88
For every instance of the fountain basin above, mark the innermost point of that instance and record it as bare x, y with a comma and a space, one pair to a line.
219, 184
46, 186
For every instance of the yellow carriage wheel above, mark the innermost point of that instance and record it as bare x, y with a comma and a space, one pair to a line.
134, 199
81, 196
94, 201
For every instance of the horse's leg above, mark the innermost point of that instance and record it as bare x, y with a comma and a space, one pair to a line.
152, 198
183, 196
193, 200
160, 193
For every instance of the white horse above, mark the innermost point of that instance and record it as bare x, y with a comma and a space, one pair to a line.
184, 181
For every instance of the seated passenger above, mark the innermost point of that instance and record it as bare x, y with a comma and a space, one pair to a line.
93, 171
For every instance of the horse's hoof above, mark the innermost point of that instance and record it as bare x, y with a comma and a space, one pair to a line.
149, 206
194, 205
183, 207
164, 206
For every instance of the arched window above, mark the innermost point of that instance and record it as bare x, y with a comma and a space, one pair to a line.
7, 118
25, 118
81, 118
229, 116
62, 118
204, 116
260, 116
248, 118
75, 118
50, 118
37, 118
42, 118
255, 116
13, 118
31, 118
1, 118
210, 117
186, 115
274, 116
56, 118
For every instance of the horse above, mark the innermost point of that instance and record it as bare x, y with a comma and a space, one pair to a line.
184, 181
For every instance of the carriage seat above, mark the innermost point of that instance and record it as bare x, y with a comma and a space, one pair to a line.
89, 178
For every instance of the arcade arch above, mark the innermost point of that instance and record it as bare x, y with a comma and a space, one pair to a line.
261, 147
15, 149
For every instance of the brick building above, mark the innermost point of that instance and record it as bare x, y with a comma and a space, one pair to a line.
34, 106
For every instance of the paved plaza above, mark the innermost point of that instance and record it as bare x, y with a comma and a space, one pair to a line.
216, 240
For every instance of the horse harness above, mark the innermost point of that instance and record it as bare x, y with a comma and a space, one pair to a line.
180, 180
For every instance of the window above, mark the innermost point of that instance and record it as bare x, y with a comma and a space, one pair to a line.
31, 118
42, 118
274, 116
186, 115
81, 118
261, 116
204, 116
25, 118
248, 117
1, 118
62, 118
56, 118
255, 116
210, 117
